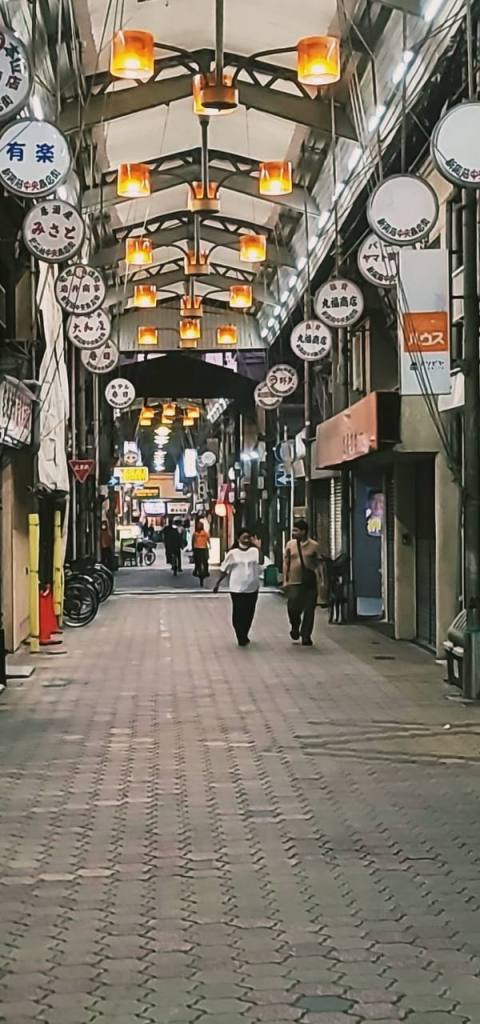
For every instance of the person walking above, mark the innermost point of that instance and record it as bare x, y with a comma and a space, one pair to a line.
200, 546
242, 566
301, 563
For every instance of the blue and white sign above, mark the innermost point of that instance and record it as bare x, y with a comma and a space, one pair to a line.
282, 477
15, 75
35, 158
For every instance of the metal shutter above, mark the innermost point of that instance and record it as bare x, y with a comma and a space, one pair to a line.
335, 517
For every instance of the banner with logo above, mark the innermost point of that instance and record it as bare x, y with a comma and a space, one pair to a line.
424, 322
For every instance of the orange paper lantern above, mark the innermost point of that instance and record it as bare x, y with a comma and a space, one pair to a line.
227, 335
275, 178
133, 180
318, 60
253, 248
147, 336
241, 296
139, 252
145, 296
133, 55
189, 329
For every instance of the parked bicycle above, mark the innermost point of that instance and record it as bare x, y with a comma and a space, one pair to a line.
87, 585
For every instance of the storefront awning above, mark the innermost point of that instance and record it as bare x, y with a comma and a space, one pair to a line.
367, 426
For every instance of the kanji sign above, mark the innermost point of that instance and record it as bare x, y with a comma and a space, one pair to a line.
89, 331
282, 380
80, 289
403, 209
81, 468
15, 74
102, 359
311, 340
144, 493
339, 303
265, 398
423, 322
53, 231
16, 413
378, 261
35, 157
132, 474
456, 145
120, 393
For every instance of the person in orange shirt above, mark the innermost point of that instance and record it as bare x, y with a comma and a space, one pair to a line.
200, 546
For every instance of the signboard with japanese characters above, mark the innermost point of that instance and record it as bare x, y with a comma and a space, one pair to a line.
339, 303
16, 413
89, 331
81, 468
132, 474
35, 157
265, 398
311, 340
120, 393
424, 322
403, 209
53, 231
15, 75
456, 145
102, 359
80, 289
282, 380
378, 261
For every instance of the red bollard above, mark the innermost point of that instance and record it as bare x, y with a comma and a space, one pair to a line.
47, 626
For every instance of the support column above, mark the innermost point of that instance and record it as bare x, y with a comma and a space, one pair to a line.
471, 672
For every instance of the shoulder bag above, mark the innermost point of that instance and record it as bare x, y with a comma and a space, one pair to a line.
309, 577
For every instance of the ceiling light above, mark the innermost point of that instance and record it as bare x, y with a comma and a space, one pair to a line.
191, 305
196, 264
169, 409
374, 120
198, 202
318, 60
188, 343
189, 329
271, 322
227, 334
275, 178
133, 180
211, 97
253, 248
147, 336
139, 252
133, 55
241, 296
145, 296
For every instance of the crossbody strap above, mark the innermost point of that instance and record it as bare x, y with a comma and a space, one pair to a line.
300, 552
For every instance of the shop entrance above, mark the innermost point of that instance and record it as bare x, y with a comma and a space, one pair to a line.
369, 570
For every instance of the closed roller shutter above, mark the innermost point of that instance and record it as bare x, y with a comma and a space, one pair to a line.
335, 517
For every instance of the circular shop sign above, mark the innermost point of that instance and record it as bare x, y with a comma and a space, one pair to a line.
378, 262
80, 289
208, 459
16, 78
120, 393
89, 331
265, 398
53, 231
311, 340
403, 209
456, 145
282, 380
102, 359
339, 302
35, 157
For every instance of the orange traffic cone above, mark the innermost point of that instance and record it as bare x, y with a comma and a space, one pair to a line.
52, 621
46, 624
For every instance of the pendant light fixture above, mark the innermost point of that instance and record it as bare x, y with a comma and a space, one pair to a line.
196, 264
318, 60
145, 296
133, 180
189, 329
241, 296
139, 252
253, 248
188, 421
201, 201
169, 409
191, 305
147, 335
193, 411
227, 335
275, 178
188, 343
133, 55
211, 98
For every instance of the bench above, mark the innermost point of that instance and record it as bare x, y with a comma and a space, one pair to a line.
454, 647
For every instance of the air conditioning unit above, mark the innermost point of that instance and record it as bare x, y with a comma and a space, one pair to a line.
457, 295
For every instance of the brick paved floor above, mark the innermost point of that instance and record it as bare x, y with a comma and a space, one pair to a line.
192, 832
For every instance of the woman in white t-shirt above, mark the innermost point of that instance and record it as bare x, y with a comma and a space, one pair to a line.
242, 566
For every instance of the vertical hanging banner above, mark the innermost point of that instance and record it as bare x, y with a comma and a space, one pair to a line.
423, 322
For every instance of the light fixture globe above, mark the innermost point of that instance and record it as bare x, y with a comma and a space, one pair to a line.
241, 296
189, 329
133, 181
253, 248
139, 252
275, 178
133, 55
227, 335
318, 60
147, 336
191, 305
211, 98
145, 296
198, 202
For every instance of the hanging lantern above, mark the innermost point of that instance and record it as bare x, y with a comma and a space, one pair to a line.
253, 248
147, 412
147, 336
145, 296
211, 97
166, 421
227, 335
318, 60
196, 265
193, 411
188, 343
275, 178
133, 55
144, 422
191, 305
188, 421
133, 180
189, 329
169, 409
198, 202
241, 296
139, 252
220, 509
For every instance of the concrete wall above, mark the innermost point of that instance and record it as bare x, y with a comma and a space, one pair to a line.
16, 503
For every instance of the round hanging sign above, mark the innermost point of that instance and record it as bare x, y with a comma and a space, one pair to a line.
377, 261
120, 393
403, 209
80, 289
265, 398
311, 340
208, 459
34, 157
102, 359
455, 145
339, 303
53, 231
16, 78
282, 380
89, 331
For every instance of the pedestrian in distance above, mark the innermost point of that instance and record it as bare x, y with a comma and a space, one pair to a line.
301, 564
242, 566
200, 546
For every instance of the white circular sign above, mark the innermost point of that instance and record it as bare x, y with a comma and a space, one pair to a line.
120, 393
378, 261
339, 302
34, 157
456, 145
53, 231
265, 398
282, 380
311, 340
102, 359
403, 209
80, 289
208, 459
16, 78
91, 330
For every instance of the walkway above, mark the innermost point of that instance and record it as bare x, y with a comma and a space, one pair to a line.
201, 834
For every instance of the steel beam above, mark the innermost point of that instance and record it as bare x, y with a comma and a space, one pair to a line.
414, 7
312, 113
120, 293
163, 238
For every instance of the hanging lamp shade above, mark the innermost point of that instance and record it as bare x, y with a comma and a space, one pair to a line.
169, 409
196, 264
318, 60
191, 305
241, 296
139, 252
133, 55
147, 413
133, 180
275, 178
188, 343
227, 335
211, 98
188, 421
147, 336
189, 329
193, 411
145, 296
201, 200
253, 248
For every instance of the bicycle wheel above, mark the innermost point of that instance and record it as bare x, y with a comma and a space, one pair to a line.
149, 558
80, 602
107, 575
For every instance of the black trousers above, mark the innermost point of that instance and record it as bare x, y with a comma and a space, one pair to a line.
200, 561
301, 604
243, 610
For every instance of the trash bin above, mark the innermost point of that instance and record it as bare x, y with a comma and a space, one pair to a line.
454, 648
270, 576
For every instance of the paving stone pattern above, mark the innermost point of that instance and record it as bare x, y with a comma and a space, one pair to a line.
201, 834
